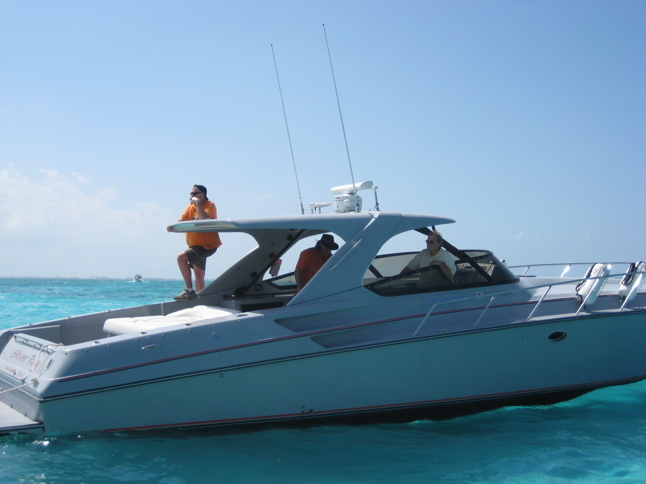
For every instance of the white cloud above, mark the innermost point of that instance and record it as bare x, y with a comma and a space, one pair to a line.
53, 221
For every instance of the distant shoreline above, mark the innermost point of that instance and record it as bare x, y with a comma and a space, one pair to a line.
90, 278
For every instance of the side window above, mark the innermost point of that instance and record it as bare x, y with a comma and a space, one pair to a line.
387, 265
422, 280
285, 281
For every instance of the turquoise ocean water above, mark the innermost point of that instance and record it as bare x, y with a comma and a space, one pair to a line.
597, 438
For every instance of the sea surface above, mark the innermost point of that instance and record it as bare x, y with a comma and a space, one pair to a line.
597, 438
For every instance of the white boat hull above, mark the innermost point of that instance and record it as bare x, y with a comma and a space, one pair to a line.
427, 376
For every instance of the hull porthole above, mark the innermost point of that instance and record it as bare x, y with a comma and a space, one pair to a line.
557, 336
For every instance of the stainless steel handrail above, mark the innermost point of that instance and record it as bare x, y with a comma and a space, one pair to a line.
566, 264
548, 288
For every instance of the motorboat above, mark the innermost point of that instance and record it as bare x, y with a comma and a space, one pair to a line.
361, 342
137, 278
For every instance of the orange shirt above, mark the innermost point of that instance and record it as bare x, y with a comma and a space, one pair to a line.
310, 261
208, 240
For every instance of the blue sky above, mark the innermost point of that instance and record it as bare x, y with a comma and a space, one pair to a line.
523, 120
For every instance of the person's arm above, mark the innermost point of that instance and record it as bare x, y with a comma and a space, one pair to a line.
446, 270
446, 262
181, 219
304, 260
298, 275
199, 206
186, 215
413, 264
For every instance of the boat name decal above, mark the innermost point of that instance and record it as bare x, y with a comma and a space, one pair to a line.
427, 301
22, 357
493, 293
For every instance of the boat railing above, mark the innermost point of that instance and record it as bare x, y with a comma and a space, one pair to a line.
548, 287
567, 266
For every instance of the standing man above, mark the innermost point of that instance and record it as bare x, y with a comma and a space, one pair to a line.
311, 260
200, 245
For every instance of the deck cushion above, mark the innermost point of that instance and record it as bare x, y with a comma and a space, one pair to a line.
116, 326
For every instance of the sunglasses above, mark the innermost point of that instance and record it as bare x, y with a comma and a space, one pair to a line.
192, 194
431, 241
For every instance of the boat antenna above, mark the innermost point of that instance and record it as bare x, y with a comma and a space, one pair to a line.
288, 136
340, 113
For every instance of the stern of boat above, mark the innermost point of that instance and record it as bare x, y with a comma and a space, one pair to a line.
22, 361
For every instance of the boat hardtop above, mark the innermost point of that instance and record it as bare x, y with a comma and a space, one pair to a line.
364, 234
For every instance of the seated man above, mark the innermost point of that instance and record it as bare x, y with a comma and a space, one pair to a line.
433, 255
311, 260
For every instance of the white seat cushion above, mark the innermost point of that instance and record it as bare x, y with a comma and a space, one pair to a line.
184, 316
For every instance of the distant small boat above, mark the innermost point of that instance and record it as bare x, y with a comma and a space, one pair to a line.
137, 278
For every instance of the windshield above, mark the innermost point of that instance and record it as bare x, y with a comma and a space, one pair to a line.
478, 268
